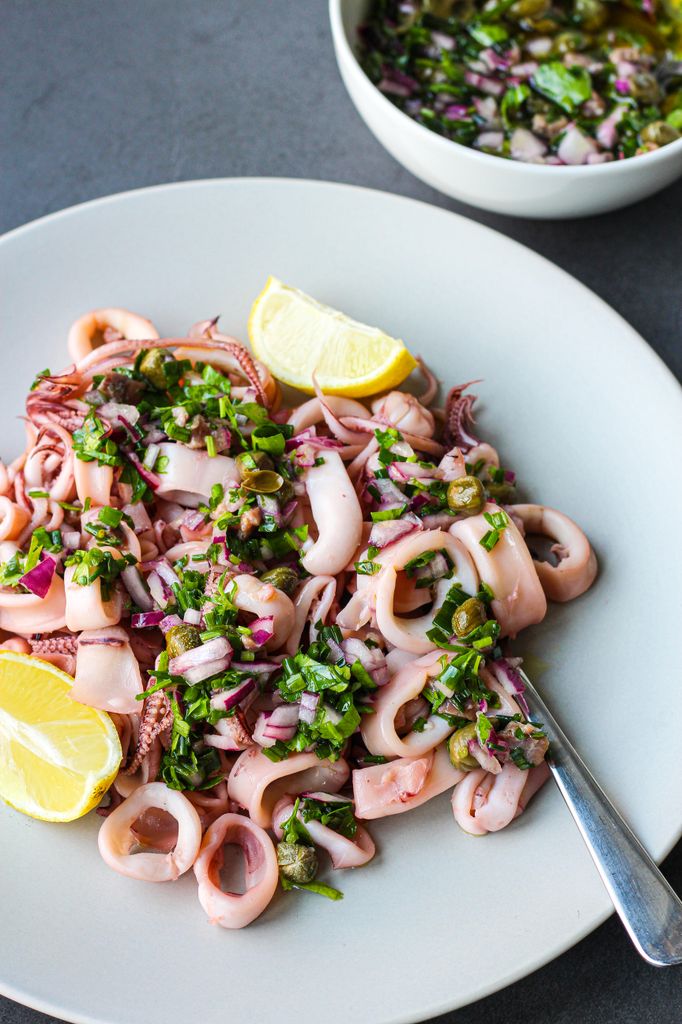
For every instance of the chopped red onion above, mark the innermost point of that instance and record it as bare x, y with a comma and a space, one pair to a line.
372, 659
39, 579
261, 630
308, 707
135, 585
116, 412
526, 147
456, 112
508, 677
492, 60
270, 507
192, 616
139, 516
261, 668
205, 671
71, 540
442, 40
142, 620
389, 494
490, 140
149, 478
158, 589
486, 107
526, 69
327, 798
403, 471
169, 622
225, 700
488, 85
218, 649
391, 530
433, 570
167, 574
575, 147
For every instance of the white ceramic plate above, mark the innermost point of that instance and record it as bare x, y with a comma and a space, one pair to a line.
579, 406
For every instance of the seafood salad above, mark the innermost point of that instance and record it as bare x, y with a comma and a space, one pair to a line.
553, 82
297, 616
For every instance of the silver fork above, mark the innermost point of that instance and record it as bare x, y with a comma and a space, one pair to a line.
643, 899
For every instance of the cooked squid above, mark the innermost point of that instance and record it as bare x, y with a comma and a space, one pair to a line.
299, 618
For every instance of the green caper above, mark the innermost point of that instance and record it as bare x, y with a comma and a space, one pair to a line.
660, 133
458, 747
151, 366
297, 863
569, 42
182, 638
264, 481
645, 88
282, 577
524, 10
250, 462
502, 492
285, 493
673, 101
468, 617
466, 495
590, 13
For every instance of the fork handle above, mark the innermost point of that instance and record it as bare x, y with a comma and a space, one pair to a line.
643, 899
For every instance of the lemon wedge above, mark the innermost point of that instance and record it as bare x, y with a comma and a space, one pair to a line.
296, 336
57, 757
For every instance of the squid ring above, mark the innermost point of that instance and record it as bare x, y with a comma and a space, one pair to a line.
410, 634
232, 910
83, 334
116, 840
507, 568
379, 731
577, 566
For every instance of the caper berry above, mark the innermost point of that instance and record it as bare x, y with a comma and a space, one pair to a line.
182, 638
590, 13
468, 617
249, 463
660, 133
458, 747
527, 9
282, 577
151, 366
569, 42
297, 863
645, 88
264, 481
466, 495
502, 493
285, 493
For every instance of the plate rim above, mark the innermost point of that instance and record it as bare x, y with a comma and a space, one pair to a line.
657, 365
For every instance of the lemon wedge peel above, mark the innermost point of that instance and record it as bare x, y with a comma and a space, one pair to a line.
296, 336
57, 757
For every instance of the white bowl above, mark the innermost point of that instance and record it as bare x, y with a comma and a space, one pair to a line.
504, 186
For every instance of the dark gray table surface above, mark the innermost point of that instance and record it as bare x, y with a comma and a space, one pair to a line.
98, 97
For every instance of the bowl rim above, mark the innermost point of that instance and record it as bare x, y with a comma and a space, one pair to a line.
342, 46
